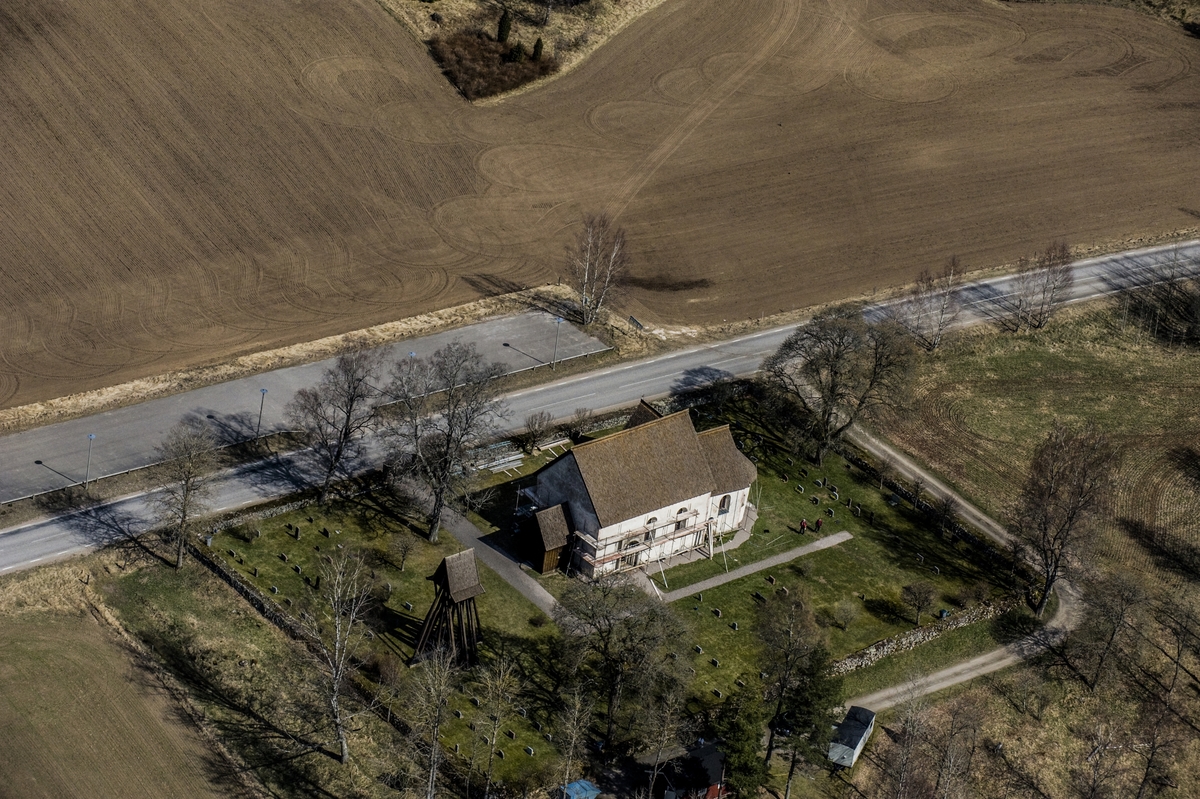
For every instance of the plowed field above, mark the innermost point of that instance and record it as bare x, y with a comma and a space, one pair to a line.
189, 179
77, 718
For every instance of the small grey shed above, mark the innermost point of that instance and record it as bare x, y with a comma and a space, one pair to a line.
851, 736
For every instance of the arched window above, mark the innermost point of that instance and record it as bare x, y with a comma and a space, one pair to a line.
650, 529
681, 519
724, 506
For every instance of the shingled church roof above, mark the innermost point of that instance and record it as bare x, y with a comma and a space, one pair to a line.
656, 464
643, 413
458, 576
555, 526
731, 470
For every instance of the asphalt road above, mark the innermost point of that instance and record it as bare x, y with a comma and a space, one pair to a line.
56, 456
613, 387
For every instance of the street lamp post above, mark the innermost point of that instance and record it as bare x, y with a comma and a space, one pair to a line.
558, 320
87, 474
261, 403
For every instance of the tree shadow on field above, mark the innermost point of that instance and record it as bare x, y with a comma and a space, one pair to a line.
252, 723
888, 610
492, 285
543, 667
1171, 551
1187, 461
662, 282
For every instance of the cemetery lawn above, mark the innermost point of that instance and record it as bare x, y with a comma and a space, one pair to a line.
867, 572
367, 524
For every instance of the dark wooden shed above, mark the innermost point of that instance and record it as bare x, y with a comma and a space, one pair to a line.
552, 533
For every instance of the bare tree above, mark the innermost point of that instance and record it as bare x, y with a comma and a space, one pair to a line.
1069, 483
886, 470
1042, 285
1165, 298
436, 678
932, 306
1113, 603
955, 743
401, 546
1160, 739
597, 264
789, 634
336, 631
571, 729
622, 629
537, 427
919, 596
187, 453
906, 769
946, 509
664, 724
498, 683
845, 612
333, 415
839, 368
578, 425
444, 405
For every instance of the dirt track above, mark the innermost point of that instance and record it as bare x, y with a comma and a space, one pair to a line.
188, 181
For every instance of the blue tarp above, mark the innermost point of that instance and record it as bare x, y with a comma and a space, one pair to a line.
580, 789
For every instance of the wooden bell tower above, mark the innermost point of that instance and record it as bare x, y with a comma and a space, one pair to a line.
452, 622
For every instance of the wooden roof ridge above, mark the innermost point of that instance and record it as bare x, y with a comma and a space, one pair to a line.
458, 575
625, 431
642, 414
731, 469
644, 468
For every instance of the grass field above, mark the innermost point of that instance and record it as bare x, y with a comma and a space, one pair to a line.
510, 622
984, 404
79, 717
193, 180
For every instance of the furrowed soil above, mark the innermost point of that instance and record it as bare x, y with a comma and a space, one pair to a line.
78, 717
189, 182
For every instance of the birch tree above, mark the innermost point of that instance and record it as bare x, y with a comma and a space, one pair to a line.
336, 631
597, 263
932, 306
434, 682
188, 458
1041, 286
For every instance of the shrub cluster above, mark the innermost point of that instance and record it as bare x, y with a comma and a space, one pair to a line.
480, 66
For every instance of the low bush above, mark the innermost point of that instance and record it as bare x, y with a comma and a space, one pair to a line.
480, 66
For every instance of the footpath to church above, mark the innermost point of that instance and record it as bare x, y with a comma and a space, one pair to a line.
757, 566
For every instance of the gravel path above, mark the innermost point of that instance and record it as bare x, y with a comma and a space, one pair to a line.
1065, 619
757, 566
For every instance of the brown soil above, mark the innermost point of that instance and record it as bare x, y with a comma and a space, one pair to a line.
189, 182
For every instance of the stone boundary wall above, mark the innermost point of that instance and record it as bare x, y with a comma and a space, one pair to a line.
914, 638
267, 608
